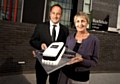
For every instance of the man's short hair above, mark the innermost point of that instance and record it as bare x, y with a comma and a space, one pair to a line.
56, 5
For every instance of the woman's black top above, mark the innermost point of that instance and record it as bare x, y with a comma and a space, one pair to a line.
70, 71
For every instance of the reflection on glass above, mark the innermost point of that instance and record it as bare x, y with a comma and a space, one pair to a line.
64, 5
60, 3
86, 8
67, 15
63, 16
52, 3
69, 1
55, 2
5, 7
67, 6
87, 1
62, 22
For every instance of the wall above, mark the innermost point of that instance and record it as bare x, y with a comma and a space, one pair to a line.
109, 59
14, 47
111, 7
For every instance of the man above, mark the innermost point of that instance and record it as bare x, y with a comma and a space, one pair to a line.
42, 38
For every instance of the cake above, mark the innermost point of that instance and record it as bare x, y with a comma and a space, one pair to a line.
52, 55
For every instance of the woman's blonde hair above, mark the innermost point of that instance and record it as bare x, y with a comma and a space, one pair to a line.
81, 14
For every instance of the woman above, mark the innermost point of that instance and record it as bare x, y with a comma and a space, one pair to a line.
87, 45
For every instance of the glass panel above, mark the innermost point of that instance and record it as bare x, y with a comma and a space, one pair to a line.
64, 5
52, 3
62, 22
86, 8
67, 6
67, 15
63, 16
71, 6
5, 10
69, 1
1, 8
69, 24
64, 1
61, 0
87, 1
60, 3
55, 2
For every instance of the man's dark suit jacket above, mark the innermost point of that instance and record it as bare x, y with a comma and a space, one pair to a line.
42, 35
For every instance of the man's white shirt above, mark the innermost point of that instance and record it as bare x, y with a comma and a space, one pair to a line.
57, 28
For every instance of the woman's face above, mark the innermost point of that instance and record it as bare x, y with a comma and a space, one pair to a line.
81, 23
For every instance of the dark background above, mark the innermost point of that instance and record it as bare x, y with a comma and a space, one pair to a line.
15, 47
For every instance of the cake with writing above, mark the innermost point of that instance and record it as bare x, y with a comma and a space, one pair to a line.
52, 55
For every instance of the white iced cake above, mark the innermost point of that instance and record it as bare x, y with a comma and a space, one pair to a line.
52, 55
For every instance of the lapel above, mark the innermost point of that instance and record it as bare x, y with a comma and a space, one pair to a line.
60, 33
48, 31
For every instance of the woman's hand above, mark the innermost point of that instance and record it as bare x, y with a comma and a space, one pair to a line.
76, 59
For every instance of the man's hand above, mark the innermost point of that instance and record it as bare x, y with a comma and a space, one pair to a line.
34, 54
43, 46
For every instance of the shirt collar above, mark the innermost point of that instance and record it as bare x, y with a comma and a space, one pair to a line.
51, 24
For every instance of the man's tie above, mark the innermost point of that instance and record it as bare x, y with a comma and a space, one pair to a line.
53, 33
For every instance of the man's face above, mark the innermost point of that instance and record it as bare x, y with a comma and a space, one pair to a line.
55, 14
